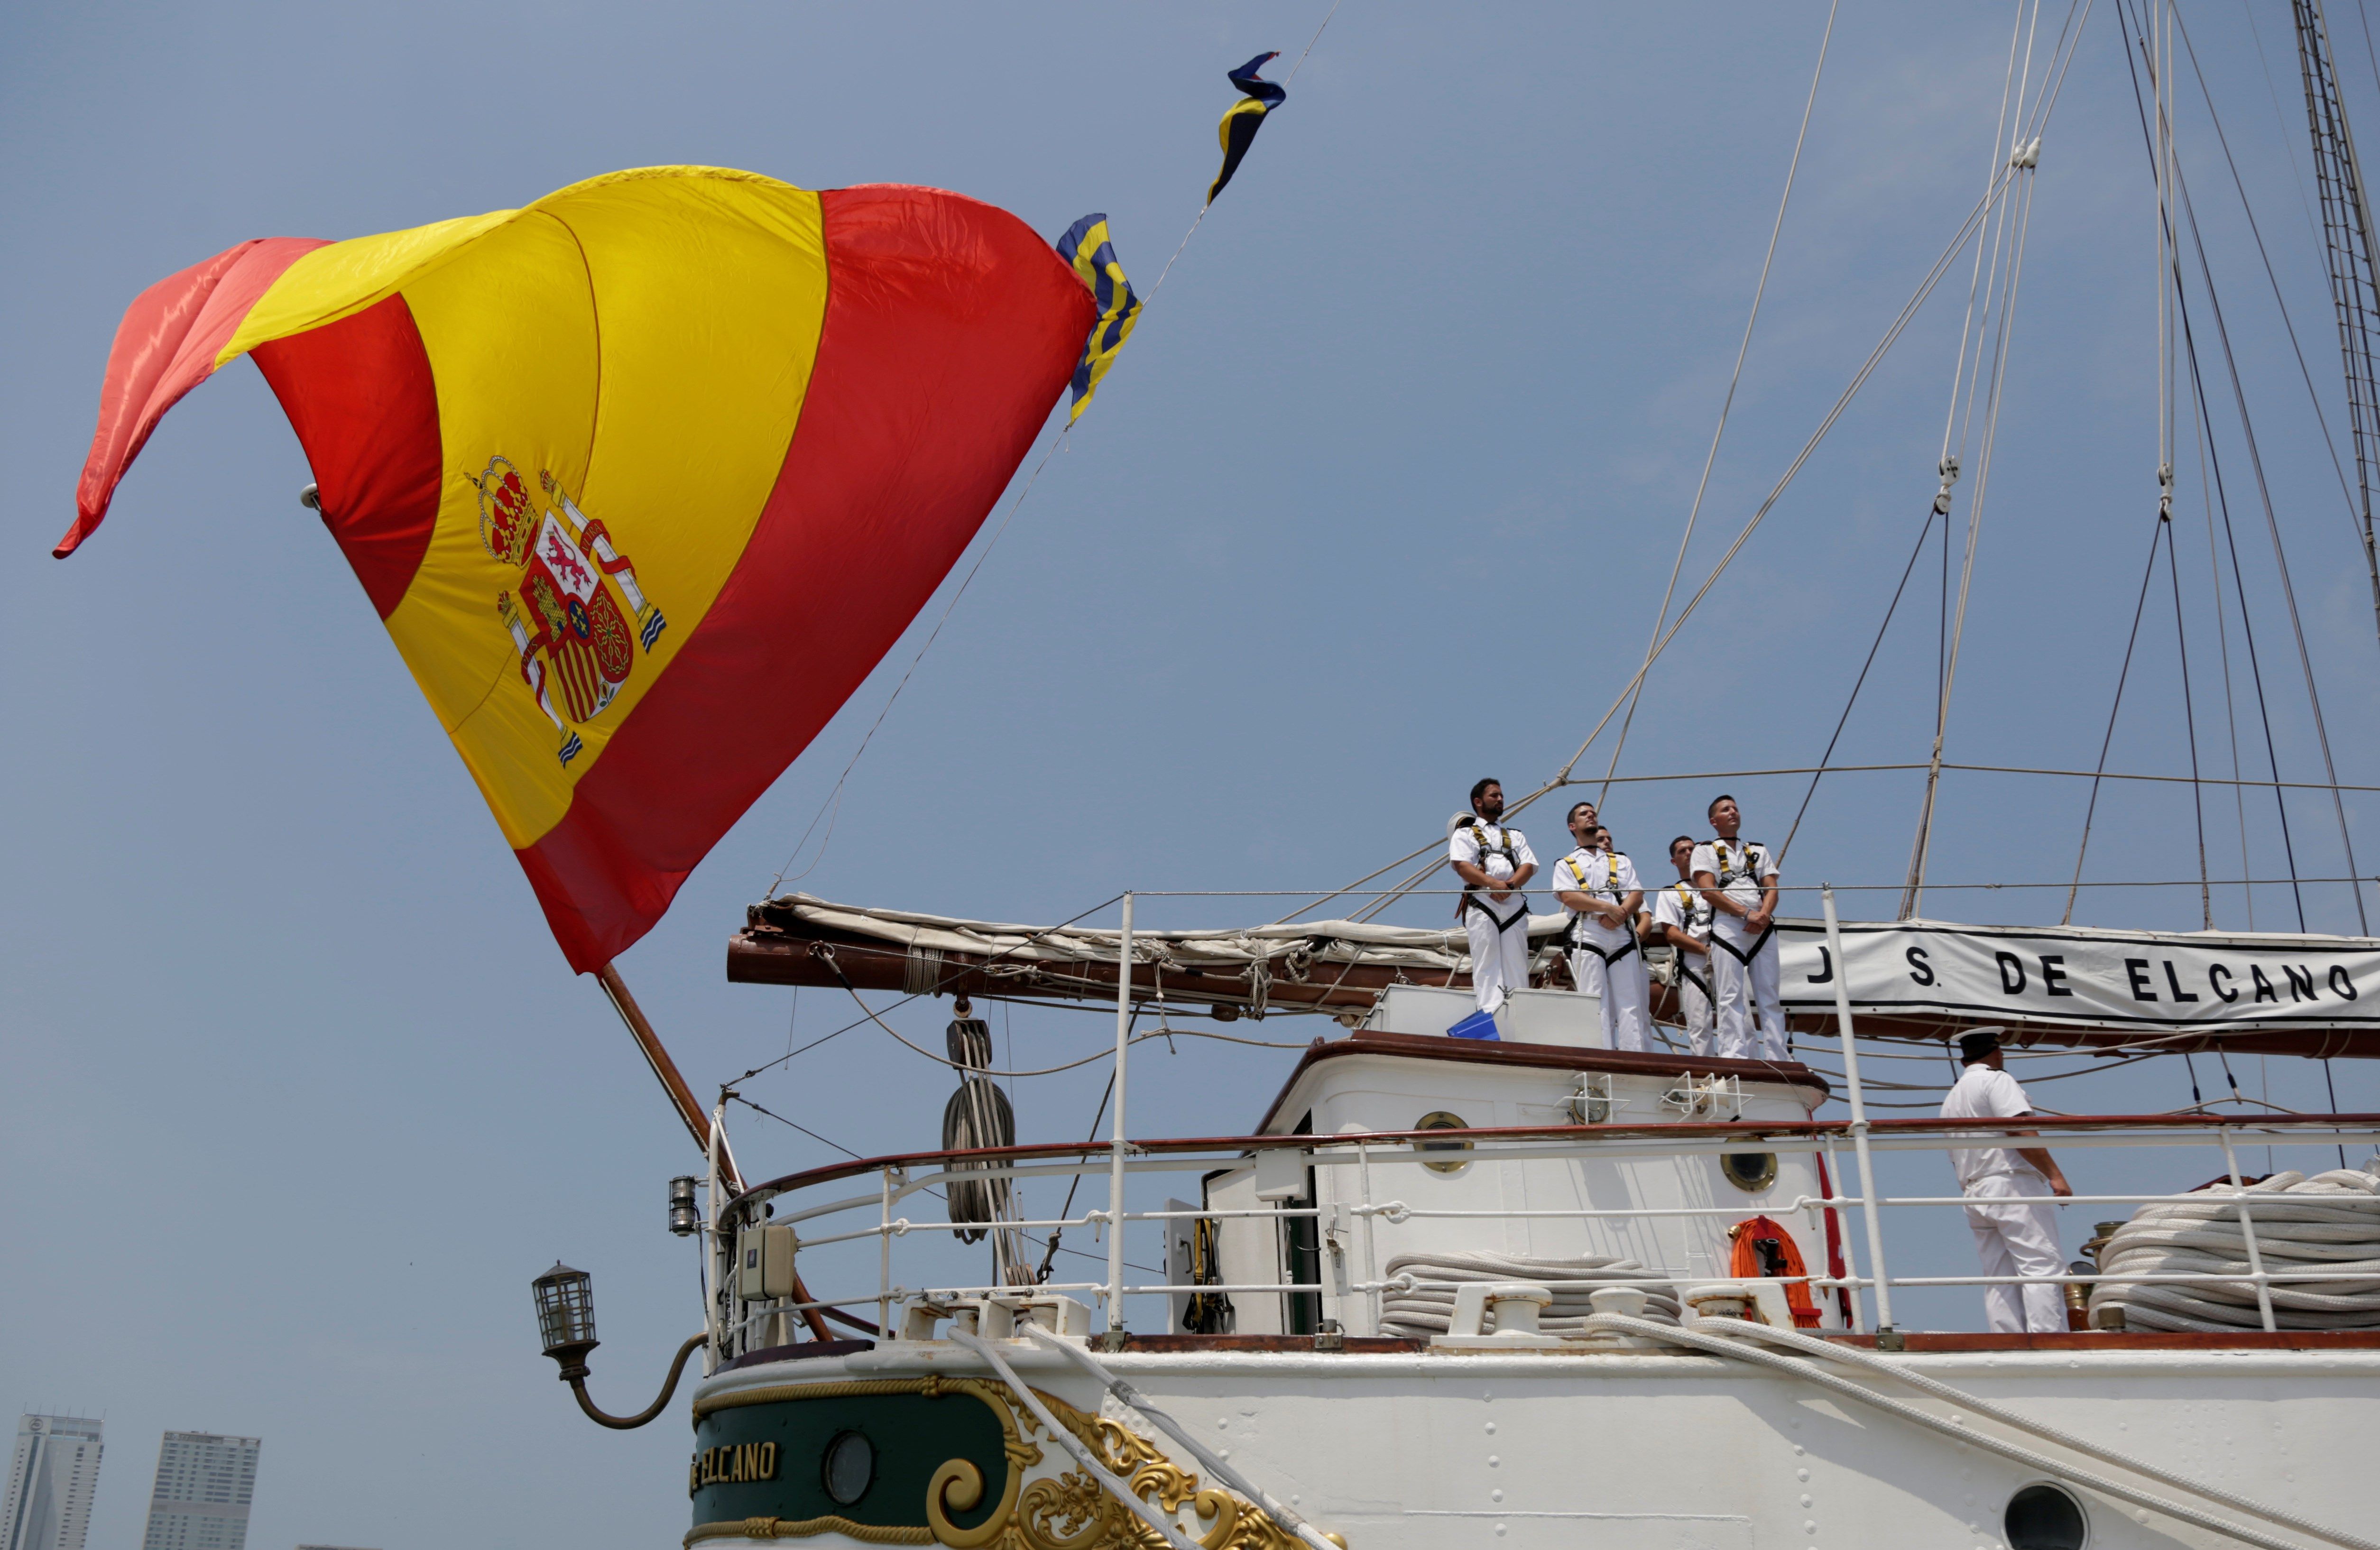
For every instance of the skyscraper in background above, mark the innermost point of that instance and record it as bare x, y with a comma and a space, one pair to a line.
47, 1504
204, 1485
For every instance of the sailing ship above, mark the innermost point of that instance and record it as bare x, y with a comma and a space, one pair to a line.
1536, 1291
1526, 1290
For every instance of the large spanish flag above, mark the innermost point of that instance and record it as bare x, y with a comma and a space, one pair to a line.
643, 479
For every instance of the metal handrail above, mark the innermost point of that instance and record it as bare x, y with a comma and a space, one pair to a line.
1887, 1134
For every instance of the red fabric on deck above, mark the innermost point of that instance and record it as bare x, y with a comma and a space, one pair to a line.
951, 329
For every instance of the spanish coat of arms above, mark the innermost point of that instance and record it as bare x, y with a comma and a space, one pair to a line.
577, 647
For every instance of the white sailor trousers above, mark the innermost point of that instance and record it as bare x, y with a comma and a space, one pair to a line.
1500, 947
1739, 989
1693, 990
2018, 1238
1604, 962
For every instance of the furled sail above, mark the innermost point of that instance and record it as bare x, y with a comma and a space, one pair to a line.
1921, 979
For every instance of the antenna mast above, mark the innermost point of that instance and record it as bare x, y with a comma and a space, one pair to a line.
2347, 230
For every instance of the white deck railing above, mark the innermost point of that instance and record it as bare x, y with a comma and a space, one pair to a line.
740, 1325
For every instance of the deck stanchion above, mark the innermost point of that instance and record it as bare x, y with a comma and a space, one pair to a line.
1850, 1260
711, 1287
884, 1254
1115, 1152
1371, 1245
2248, 1236
1887, 1337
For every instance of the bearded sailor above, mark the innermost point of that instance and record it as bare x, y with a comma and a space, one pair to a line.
1599, 886
1739, 882
1681, 917
1494, 861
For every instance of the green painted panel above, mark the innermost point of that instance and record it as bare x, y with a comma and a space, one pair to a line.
911, 1436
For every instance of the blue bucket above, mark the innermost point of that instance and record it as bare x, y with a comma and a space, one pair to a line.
1479, 1024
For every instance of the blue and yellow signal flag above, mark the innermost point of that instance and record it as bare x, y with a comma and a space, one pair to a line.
1086, 247
1245, 117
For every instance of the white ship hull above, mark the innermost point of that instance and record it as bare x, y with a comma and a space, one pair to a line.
1677, 1451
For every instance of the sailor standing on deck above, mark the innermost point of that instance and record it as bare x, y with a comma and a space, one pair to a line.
2014, 1236
1493, 861
1681, 917
1599, 886
1738, 881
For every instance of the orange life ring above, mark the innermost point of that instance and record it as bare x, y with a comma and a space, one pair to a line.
1747, 1264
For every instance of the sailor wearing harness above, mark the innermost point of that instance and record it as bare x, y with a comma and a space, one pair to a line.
1599, 886
1681, 917
2013, 1237
1493, 861
1738, 881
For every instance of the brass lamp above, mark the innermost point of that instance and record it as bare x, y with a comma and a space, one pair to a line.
565, 1318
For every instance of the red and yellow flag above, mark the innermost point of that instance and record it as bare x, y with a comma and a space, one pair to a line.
643, 479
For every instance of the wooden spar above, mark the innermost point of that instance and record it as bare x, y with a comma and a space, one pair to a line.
681, 1096
785, 951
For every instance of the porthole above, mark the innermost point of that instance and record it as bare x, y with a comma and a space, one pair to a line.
849, 1467
2045, 1517
1749, 1172
1439, 1119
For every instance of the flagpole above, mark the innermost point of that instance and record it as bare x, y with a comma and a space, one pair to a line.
698, 1123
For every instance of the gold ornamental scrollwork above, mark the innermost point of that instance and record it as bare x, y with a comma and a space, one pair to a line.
1068, 1511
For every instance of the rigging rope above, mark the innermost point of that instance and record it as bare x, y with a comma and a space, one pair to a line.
1727, 404
1844, 720
831, 808
2017, 223
2271, 523
1859, 379
2139, 605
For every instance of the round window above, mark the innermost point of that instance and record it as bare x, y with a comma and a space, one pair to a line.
1749, 1172
1439, 1119
2045, 1517
850, 1467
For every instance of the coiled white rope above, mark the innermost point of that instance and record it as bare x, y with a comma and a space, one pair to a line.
1421, 1299
2330, 1223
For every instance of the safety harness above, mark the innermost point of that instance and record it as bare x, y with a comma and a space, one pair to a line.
1577, 936
1740, 860
1506, 846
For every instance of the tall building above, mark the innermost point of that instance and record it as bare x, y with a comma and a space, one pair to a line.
204, 1485
47, 1504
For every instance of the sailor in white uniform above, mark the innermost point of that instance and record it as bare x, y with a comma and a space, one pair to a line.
1494, 861
1681, 917
2014, 1236
1599, 886
1738, 881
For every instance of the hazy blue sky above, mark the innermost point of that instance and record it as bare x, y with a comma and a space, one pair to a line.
296, 1093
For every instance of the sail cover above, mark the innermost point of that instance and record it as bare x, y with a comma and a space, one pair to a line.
1921, 979
642, 477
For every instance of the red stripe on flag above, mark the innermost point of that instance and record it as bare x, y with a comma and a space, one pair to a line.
166, 345
359, 395
951, 329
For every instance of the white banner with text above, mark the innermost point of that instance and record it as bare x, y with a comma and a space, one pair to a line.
2076, 975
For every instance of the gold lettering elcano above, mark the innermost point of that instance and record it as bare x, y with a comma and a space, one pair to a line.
736, 1464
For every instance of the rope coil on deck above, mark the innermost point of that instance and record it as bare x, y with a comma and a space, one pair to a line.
1417, 1309
2300, 1229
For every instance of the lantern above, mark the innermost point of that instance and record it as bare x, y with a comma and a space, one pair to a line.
565, 1317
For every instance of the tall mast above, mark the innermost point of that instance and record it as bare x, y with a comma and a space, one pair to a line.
2347, 230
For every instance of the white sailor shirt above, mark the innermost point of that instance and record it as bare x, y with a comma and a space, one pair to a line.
1504, 848
1742, 867
1681, 904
